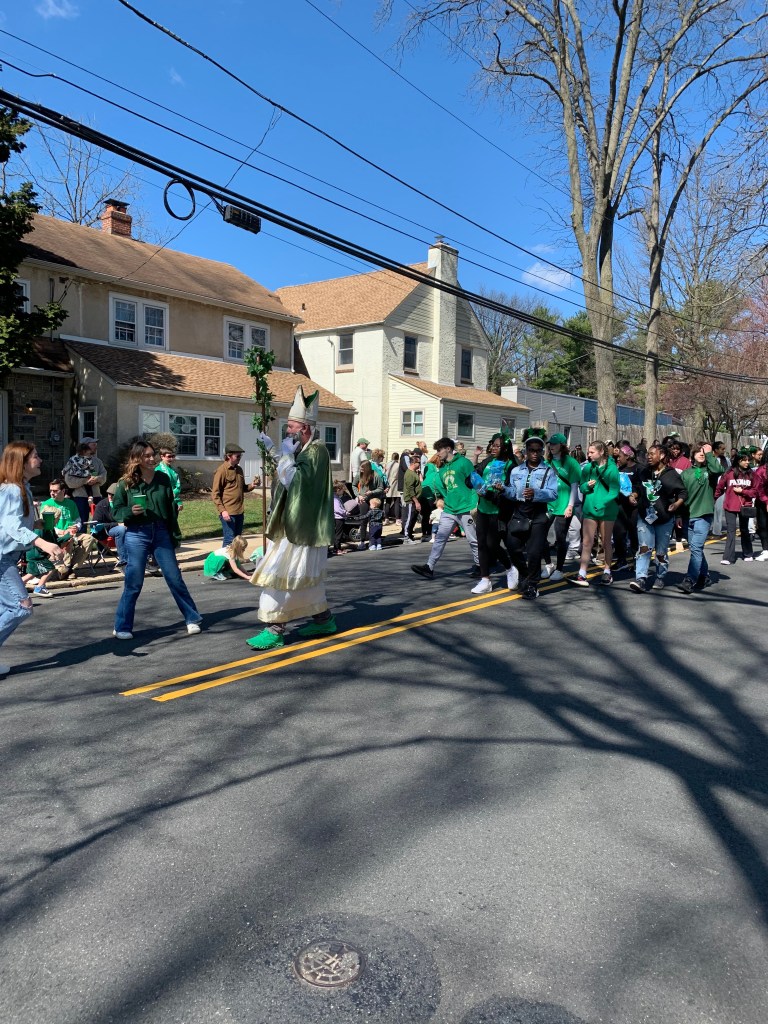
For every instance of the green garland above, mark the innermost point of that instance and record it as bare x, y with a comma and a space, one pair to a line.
259, 364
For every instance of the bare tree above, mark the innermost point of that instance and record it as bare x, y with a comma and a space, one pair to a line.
515, 351
636, 92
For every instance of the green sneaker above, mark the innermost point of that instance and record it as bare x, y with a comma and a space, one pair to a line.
327, 628
266, 640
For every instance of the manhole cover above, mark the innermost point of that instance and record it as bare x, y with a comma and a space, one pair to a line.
329, 964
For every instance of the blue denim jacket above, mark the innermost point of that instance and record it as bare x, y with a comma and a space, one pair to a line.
543, 480
16, 533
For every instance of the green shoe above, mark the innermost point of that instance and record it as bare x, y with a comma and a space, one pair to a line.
327, 628
266, 640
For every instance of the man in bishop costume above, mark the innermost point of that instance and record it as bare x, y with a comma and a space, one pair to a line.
299, 531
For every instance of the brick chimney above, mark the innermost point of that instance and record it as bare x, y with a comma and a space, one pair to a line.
115, 219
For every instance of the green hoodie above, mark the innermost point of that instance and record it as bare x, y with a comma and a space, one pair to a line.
698, 481
453, 486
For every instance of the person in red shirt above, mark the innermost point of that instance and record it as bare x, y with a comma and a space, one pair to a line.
738, 487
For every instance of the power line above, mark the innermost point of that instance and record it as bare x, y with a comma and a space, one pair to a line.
193, 181
464, 246
348, 149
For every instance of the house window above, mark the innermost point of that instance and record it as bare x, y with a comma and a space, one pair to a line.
508, 426
88, 421
135, 322
345, 349
466, 425
240, 335
23, 286
198, 435
409, 353
330, 435
466, 364
412, 423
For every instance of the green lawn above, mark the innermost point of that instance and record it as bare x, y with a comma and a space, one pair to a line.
199, 517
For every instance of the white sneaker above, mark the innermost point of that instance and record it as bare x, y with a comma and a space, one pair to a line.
556, 576
122, 635
513, 578
748, 558
547, 571
763, 556
193, 627
483, 587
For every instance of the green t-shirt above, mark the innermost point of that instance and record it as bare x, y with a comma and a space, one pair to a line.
568, 473
459, 497
68, 513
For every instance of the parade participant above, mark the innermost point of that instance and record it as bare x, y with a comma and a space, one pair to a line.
144, 502
453, 485
19, 464
494, 471
560, 510
300, 530
532, 485
165, 465
737, 486
661, 495
600, 487
760, 484
625, 527
228, 491
700, 506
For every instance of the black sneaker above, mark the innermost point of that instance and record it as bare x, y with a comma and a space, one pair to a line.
424, 571
702, 583
530, 593
638, 586
474, 572
686, 587
658, 584
620, 566
606, 579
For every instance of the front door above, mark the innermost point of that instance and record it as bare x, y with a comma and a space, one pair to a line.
246, 438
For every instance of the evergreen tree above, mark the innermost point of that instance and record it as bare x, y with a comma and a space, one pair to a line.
18, 327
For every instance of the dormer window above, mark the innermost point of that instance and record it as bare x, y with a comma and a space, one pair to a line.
240, 335
138, 322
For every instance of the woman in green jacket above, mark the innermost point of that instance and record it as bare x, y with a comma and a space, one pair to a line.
144, 502
600, 486
700, 481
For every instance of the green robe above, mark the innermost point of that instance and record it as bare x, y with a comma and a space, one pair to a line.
304, 512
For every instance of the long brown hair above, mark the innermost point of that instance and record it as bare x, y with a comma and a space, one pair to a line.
12, 467
132, 473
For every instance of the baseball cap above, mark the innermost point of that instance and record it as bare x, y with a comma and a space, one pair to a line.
558, 439
363, 440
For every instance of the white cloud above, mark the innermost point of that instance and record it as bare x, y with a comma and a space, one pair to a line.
541, 275
175, 77
57, 9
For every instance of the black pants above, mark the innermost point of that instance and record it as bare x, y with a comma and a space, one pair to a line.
761, 523
526, 551
625, 535
562, 525
410, 515
731, 521
338, 533
489, 538
427, 508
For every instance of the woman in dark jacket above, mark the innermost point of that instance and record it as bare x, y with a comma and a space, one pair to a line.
369, 485
144, 502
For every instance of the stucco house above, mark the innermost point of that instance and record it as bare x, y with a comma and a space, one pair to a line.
155, 341
411, 359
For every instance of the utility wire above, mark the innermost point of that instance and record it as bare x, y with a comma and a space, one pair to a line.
348, 149
463, 245
192, 181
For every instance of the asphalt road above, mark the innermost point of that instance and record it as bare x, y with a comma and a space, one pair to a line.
518, 813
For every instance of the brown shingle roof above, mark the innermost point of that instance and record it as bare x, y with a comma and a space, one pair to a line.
472, 396
348, 301
49, 355
179, 374
146, 266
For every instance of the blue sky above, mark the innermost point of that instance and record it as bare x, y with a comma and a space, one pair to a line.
293, 54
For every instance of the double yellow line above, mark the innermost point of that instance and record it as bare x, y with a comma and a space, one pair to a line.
313, 648
318, 648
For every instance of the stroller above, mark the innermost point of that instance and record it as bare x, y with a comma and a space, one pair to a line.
353, 530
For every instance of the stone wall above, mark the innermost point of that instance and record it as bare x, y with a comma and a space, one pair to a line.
38, 409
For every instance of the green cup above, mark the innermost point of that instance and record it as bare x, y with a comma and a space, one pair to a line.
139, 499
49, 520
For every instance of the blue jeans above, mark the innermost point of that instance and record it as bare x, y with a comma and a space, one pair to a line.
12, 593
231, 528
140, 543
650, 537
118, 532
698, 531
